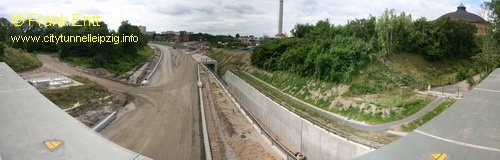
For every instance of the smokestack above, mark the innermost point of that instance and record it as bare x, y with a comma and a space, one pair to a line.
280, 25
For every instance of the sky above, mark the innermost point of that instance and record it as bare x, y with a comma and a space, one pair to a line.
228, 17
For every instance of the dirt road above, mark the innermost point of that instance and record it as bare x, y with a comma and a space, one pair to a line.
165, 123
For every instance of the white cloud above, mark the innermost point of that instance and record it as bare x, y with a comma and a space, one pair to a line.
256, 17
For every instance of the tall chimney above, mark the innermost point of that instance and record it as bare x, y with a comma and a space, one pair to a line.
280, 25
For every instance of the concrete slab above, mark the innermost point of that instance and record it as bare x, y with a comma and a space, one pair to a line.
28, 119
469, 129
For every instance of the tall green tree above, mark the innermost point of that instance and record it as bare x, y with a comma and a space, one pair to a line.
300, 30
130, 47
393, 31
4, 24
362, 28
489, 58
494, 7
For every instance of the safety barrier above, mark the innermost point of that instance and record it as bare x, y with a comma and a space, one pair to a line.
157, 63
105, 122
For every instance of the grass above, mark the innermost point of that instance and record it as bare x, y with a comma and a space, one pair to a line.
427, 117
126, 63
401, 102
406, 107
117, 66
67, 97
226, 61
20, 60
426, 72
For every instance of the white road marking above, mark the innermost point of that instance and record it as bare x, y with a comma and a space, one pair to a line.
460, 143
16, 90
489, 90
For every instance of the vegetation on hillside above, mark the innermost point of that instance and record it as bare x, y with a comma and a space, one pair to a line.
367, 69
489, 58
116, 51
67, 97
19, 60
338, 53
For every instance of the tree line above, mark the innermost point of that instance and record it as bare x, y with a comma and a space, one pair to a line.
218, 41
336, 52
94, 54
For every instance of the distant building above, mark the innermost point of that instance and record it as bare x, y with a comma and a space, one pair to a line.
172, 36
183, 36
461, 13
150, 33
142, 28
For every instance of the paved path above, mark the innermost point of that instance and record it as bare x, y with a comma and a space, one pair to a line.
467, 130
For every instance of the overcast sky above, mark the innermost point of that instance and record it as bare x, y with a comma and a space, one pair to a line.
254, 17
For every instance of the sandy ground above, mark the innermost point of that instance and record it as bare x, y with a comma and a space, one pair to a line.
226, 127
164, 123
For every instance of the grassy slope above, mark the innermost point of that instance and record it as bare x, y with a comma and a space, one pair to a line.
20, 60
67, 97
387, 85
427, 117
429, 72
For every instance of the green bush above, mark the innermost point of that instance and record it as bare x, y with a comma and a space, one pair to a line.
461, 74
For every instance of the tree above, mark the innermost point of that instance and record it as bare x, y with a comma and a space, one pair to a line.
49, 47
323, 51
265, 39
455, 39
362, 28
420, 39
4, 24
301, 30
384, 30
131, 47
237, 35
393, 31
484, 12
494, 7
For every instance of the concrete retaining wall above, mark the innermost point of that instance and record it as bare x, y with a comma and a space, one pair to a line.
311, 140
